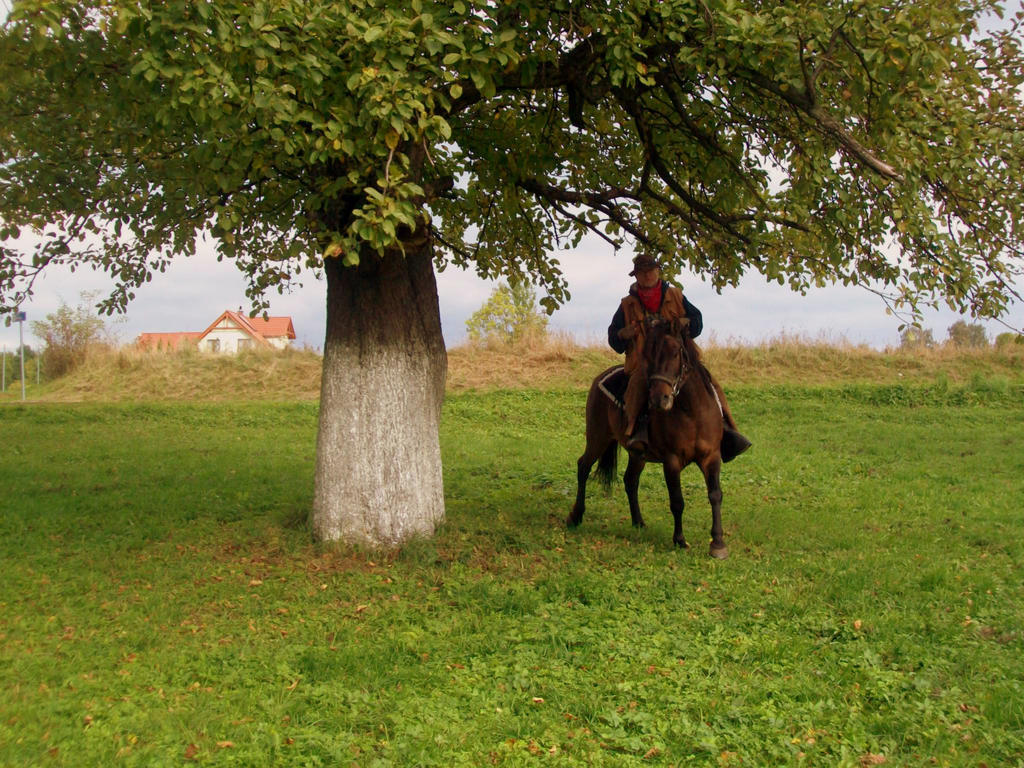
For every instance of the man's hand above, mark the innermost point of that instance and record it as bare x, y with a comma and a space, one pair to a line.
630, 331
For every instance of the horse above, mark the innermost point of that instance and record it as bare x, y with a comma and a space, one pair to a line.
685, 425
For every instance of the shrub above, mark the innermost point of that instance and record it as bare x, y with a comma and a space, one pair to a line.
68, 334
1009, 339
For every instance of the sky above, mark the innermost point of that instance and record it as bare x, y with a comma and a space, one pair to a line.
193, 292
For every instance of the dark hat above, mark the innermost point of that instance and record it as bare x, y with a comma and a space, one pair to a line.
643, 262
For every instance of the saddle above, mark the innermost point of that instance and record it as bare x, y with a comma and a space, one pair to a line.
613, 385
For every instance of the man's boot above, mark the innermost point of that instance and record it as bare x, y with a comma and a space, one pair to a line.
733, 443
638, 440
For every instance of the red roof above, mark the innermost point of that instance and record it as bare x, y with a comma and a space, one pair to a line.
273, 326
166, 340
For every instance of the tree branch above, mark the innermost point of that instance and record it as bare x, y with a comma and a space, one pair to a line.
805, 103
601, 202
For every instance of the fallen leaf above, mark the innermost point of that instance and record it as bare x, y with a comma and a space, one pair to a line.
538, 700
191, 751
652, 752
225, 744
871, 759
255, 582
857, 624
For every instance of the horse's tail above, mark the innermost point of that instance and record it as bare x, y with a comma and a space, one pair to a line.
607, 465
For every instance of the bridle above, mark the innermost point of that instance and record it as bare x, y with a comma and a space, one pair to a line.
674, 382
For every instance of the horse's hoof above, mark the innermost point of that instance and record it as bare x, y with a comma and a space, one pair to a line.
572, 522
680, 543
720, 552
639, 524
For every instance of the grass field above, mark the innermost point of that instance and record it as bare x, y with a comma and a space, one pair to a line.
161, 602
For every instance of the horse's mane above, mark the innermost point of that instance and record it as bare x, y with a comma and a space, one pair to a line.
693, 356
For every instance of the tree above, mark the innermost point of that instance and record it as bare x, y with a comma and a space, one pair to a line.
964, 334
509, 315
68, 334
914, 338
862, 142
12, 362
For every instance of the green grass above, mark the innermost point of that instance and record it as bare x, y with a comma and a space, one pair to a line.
161, 602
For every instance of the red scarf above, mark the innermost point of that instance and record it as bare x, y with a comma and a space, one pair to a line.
650, 297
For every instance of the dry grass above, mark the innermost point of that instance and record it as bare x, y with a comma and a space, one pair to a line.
131, 374
823, 361
561, 363
556, 362
552, 362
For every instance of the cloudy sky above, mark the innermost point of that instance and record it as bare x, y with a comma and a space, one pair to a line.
194, 291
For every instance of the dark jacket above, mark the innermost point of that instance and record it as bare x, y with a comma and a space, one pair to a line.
619, 320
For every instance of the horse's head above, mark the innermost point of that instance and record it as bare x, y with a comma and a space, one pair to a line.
669, 361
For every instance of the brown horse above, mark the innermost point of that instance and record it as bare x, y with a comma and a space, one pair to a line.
684, 426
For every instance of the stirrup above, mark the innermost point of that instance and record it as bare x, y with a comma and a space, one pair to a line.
733, 444
638, 442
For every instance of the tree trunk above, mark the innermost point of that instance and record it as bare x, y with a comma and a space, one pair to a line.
378, 471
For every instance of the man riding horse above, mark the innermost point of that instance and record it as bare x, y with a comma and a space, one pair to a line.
652, 300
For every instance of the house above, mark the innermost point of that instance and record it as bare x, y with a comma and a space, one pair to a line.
230, 333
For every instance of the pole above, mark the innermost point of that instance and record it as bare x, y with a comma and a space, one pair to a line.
21, 342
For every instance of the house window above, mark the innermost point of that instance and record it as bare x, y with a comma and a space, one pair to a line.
244, 344
213, 345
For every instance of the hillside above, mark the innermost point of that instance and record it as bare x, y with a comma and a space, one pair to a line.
128, 374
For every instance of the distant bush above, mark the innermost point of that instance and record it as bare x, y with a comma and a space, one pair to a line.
969, 335
509, 315
1009, 339
914, 338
